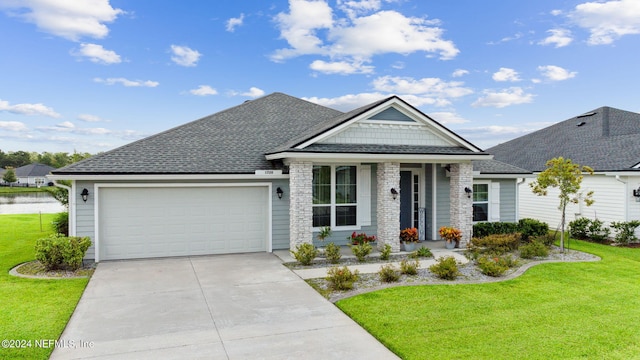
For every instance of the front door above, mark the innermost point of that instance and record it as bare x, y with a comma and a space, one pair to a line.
408, 200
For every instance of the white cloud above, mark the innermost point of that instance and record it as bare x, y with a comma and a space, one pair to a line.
432, 87
398, 65
556, 73
184, 56
507, 39
347, 102
204, 90
558, 37
28, 109
460, 72
253, 92
447, 117
506, 74
13, 126
233, 23
310, 28
609, 20
66, 125
68, 19
556, 12
504, 98
340, 67
98, 54
127, 82
89, 118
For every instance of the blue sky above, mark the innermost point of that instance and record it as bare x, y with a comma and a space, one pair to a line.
96, 74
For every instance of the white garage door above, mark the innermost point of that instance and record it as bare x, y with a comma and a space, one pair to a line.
180, 221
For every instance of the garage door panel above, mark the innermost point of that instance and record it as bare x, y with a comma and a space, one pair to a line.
175, 221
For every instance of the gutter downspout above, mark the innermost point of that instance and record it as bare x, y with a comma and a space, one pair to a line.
519, 182
72, 206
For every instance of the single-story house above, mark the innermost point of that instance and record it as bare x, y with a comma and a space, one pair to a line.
607, 140
269, 173
33, 174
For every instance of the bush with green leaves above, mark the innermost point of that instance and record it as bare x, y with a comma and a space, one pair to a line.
409, 267
62, 252
332, 253
491, 266
495, 244
388, 273
385, 253
546, 239
361, 251
61, 223
483, 229
446, 268
305, 253
579, 228
341, 278
533, 249
530, 228
422, 252
625, 231
598, 232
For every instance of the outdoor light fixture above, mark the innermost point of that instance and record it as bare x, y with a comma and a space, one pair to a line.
84, 194
468, 191
279, 192
394, 193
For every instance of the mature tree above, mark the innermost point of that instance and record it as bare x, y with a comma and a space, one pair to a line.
566, 176
16, 159
9, 176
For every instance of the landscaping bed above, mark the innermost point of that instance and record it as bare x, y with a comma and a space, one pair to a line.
35, 269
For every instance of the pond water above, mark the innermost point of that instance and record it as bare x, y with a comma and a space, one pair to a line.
29, 203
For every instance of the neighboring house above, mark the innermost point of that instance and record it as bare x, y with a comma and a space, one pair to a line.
269, 173
33, 174
607, 140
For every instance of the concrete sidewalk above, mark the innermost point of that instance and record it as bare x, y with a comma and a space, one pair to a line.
212, 307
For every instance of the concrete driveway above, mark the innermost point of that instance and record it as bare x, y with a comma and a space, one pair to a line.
212, 307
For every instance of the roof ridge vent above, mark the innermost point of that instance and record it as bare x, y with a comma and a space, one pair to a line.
586, 115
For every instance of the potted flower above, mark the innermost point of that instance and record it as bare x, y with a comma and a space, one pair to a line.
359, 239
451, 235
409, 238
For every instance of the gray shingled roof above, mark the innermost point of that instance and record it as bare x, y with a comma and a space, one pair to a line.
496, 167
34, 170
609, 140
231, 141
236, 140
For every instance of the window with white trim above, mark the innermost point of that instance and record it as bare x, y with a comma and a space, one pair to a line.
335, 195
480, 202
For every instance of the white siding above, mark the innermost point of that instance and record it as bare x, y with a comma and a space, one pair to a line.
609, 196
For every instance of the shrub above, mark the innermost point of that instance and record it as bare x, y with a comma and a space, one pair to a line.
450, 234
388, 273
305, 253
626, 231
533, 249
341, 278
422, 252
579, 228
62, 252
361, 251
445, 268
332, 252
491, 266
483, 229
530, 228
385, 252
358, 239
546, 239
597, 231
409, 235
61, 223
495, 244
409, 267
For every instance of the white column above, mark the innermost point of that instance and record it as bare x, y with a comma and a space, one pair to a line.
461, 211
388, 176
301, 201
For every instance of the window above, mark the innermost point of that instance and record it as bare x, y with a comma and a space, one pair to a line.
480, 202
334, 196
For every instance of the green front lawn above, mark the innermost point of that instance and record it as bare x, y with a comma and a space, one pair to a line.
553, 311
18, 190
31, 309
